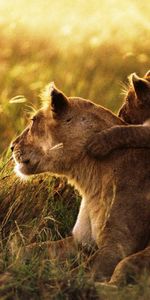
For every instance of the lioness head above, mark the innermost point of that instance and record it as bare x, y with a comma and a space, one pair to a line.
136, 108
56, 137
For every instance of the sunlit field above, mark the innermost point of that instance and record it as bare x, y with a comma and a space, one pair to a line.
88, 48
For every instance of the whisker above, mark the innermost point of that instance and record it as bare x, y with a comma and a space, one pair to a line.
57, 146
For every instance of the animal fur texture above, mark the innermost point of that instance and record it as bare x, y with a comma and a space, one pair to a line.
114, 215
136, 113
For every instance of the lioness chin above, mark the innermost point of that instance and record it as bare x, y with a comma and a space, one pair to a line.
115, 208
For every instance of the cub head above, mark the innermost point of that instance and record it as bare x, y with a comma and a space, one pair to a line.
136, 108
55, 138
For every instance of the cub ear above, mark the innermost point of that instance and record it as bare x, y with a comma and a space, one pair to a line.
147, 74
59, 101
141, 87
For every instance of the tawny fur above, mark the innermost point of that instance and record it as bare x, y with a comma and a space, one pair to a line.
135, 111
115, 208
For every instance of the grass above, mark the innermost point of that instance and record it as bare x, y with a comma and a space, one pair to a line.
87, 50
41, 209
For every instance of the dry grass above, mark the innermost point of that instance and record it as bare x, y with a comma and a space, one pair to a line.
43, 209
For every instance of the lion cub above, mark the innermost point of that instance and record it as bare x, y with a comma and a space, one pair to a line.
135, 110
115, 208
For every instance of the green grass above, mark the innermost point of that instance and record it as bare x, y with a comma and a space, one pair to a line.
87, 50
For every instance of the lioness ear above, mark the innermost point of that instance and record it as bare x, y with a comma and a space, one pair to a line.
59, 101
141, 87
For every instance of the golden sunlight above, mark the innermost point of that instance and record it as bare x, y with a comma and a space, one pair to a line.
71, 21
83, 46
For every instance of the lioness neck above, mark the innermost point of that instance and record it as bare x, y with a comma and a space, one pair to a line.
86, 177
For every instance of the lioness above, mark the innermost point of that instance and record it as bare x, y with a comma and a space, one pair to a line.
135, 110
114, 214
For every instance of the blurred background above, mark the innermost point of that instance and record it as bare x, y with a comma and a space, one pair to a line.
87, 47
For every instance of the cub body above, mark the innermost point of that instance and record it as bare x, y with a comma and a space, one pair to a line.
134, 111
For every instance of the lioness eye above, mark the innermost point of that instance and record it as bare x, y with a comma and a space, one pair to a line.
68, 120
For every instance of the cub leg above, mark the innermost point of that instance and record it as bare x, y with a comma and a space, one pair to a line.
131, 267
124, 136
